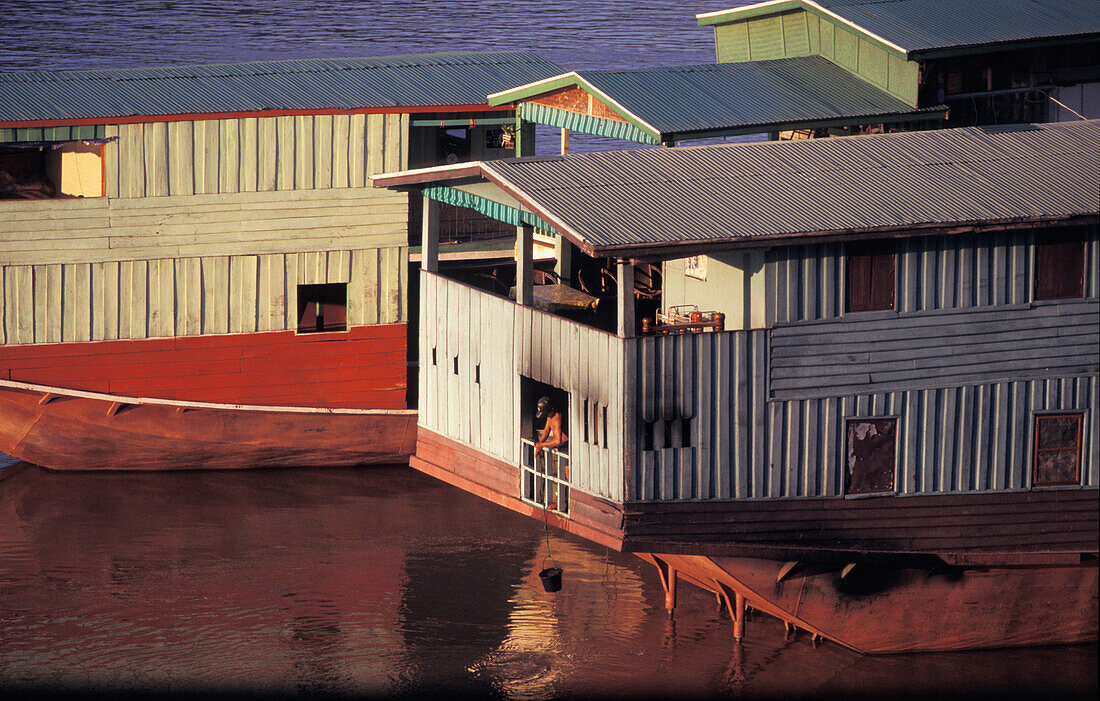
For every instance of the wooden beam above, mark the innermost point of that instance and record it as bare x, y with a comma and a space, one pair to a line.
625, 277
525, 269
429, 236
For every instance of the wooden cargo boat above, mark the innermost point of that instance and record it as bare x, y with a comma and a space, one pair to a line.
879, 426
209, 234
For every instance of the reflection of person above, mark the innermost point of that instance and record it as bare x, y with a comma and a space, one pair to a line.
551, 435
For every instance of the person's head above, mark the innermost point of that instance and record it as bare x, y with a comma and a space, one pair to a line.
545, 408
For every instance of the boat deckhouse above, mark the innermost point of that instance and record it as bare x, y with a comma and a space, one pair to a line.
865, 402
1000, 62
188, 251
669, 105
229, 207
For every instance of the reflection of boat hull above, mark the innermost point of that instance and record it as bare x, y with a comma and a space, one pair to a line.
894, 608
69, 429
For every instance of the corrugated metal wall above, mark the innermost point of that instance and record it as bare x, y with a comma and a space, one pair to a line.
492, 342
52, 303
946, 272
746, 447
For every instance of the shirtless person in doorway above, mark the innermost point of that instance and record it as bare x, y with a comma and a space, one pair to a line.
551, 435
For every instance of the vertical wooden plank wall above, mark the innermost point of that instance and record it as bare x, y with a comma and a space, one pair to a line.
200, 234
801, 33
492, 342
53, 303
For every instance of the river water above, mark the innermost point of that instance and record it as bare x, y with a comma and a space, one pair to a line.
381, 581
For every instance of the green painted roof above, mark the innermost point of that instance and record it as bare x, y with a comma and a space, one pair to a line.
440, 79
930, 26
685, 102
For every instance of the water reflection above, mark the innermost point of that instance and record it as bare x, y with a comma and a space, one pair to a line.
382, 581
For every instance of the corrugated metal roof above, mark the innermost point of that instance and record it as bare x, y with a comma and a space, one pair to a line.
924, 25
705, 98
917, 26
452, 78
628, 202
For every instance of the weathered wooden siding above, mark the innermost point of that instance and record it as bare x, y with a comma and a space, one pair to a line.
94, 230
254, 154
943, 272
801, 33
745, 446
474, 348
942, 348
213, 294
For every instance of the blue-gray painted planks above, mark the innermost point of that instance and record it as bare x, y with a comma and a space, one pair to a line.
448, 78
962, 438
945, 349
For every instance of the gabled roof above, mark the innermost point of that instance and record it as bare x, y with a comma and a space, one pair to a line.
924, 27
687, 102
663, 203
420, 80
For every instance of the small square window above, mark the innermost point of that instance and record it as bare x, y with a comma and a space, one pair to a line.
870, 276
871, 455
1060, 265
1057, 449
323, 307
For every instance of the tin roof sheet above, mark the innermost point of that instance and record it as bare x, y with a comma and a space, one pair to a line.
633, 202
452, 78
928, 25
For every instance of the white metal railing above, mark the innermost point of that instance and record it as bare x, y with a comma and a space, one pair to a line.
544, 481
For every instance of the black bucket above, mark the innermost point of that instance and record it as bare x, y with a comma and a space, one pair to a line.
551, 579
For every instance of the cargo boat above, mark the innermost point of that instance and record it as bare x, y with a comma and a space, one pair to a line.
873, 419
206, 237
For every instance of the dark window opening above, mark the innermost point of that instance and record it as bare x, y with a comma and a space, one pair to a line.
322, 307
871, 455
603, 412
871, 273
1058, 449
648, 434
434, 362
685, 433
584, 415
455, 369
1060, 265
595, 424
477, 374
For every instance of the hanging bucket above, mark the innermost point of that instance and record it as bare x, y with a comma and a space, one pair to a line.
551, 579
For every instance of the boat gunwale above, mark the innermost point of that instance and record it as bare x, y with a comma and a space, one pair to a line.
59, 392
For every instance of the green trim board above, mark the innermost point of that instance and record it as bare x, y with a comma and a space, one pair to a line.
551, 117
483, 205
64, 133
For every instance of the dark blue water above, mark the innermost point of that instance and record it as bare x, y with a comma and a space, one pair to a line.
382, 581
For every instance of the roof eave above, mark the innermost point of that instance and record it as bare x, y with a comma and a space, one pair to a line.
681, 249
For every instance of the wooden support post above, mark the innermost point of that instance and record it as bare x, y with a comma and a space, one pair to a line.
525, 265
625, 275
668, 583
429, 236
525, 135
563, 251
739, 621
564, 141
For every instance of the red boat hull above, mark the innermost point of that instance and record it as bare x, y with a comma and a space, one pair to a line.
73, 430
892, 609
